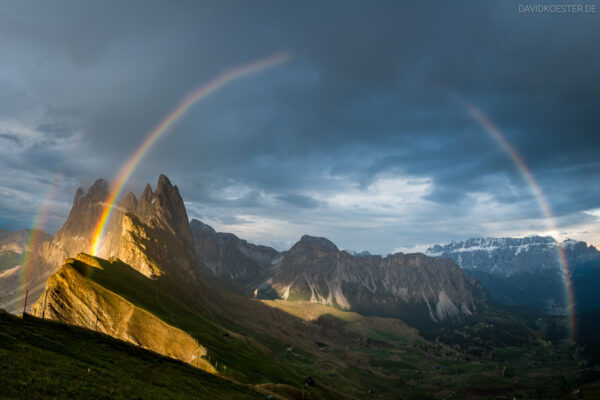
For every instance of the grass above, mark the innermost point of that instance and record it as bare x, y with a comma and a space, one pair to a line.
311, 311
362, 354
232, 356
43, 359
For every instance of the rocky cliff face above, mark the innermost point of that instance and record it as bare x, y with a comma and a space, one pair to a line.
152, 234
163, 210
227, 256
73, 296
127, 234
75, 235
135, 240
413, 287
156, 238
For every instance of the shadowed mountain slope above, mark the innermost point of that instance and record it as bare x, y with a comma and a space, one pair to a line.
229, 257
418, 289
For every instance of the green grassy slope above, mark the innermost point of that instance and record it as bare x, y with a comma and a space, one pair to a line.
232, 356
244, 356
274, 345
43, 359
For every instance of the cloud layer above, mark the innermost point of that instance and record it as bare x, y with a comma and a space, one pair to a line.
356, 138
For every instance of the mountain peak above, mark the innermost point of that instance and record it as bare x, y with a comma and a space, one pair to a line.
79, 194
164, 207
74, 236
364, 253
315, 243
130, 202
164, 185
147, 193
99, 190
198, 225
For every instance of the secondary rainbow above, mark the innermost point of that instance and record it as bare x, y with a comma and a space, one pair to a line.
198, 94
33, 239
537, 191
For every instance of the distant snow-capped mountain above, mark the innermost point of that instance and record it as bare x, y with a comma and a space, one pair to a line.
527, 270
364, 253
506, 256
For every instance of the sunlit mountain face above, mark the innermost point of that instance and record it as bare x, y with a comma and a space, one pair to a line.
326, 201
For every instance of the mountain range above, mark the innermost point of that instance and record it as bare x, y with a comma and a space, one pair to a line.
313, 320
418, 289
514, 271
528, 270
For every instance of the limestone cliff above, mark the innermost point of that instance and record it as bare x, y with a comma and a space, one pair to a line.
419, 289
163, 210
155, 237
133, 248
75, 235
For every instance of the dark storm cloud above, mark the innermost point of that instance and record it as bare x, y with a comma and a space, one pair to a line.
232, 220
368, 94
298, 200
11, 137
55, 129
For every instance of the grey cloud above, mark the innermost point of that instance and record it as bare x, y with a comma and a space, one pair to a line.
363, 97
11, 137
56, 129
233, 220
299, 200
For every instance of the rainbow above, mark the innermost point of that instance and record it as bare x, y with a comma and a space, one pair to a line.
33, 239
537, 191
198, 94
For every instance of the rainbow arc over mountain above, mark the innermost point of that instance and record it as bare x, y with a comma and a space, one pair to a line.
498, 137
198, 94
235, 73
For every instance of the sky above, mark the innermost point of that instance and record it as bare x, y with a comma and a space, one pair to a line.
358, 137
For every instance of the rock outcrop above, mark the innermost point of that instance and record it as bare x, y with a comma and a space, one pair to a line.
168, 247
163, 209
226, 256
75, 235
134, 249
